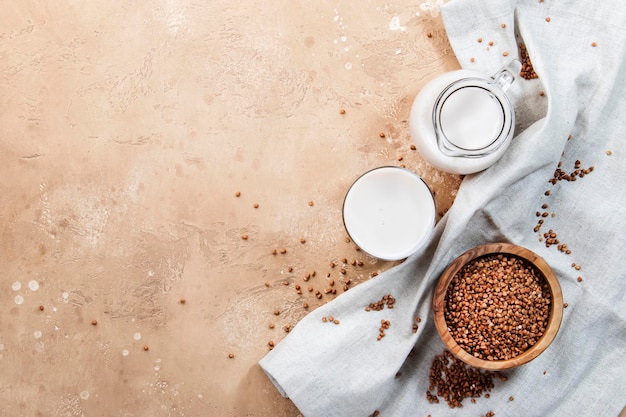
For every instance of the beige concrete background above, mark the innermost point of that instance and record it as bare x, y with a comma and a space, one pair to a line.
126, 130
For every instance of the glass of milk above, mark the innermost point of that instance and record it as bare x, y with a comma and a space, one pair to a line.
389, 212
462, 121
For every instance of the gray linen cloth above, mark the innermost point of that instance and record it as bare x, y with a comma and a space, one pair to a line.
341, 370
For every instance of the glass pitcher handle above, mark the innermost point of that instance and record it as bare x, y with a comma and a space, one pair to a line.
505, 77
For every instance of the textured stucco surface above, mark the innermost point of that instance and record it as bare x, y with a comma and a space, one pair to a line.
126, 130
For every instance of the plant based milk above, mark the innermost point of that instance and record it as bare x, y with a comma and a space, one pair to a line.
462, 121
472, 118
389, 212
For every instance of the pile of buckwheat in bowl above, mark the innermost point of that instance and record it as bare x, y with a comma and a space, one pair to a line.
498, 306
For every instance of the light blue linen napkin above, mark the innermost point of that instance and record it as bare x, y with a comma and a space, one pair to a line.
578, 49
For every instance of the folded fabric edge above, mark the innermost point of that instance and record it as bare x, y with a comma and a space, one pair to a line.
272, 379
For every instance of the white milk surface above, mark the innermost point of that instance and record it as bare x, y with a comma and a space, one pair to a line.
389, 212
472, 118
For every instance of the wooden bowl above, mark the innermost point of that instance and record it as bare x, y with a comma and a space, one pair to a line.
556, 305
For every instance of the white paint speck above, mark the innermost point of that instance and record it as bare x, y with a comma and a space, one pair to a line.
344, 38
19, 299
200, 396
394, 24
150, 273
125, 352
37, 334
16, 286
137, 336
157, 367
433, 6
348, 65
84, 395
398, 51
176, 19
33, 285
65, 296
